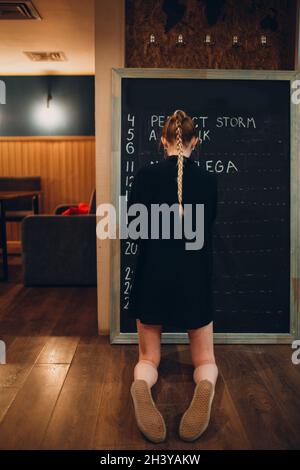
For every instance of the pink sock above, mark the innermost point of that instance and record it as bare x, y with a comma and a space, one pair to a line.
206, 372
146, 370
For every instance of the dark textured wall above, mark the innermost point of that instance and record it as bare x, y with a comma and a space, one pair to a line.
220, 18
26, 101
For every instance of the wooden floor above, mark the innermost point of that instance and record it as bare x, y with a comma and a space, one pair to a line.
64, 387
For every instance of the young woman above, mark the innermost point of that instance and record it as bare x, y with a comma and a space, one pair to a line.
172, 285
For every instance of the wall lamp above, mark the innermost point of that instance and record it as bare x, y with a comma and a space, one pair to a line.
152, 41
49, 93
180, 42
208, 40
264, 42
236, 41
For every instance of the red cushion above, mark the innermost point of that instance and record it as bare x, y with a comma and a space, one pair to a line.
81, 209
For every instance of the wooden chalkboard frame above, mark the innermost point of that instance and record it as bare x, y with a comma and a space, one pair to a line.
116, 336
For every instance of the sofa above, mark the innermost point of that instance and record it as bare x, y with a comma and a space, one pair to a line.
60, 250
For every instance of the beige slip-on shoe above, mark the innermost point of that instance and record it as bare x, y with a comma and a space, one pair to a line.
196, 418
149, 420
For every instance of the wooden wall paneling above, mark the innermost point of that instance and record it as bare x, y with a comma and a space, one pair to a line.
66, 166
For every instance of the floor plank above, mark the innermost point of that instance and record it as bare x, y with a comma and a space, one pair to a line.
7, 396
73, 422
28, 335
59, 350
25, 422
282, 378
116, 424
264, 423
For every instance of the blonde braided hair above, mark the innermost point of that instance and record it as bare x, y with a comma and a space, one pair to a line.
179, 128
179, 161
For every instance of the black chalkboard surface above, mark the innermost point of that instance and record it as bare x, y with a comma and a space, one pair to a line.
244, 127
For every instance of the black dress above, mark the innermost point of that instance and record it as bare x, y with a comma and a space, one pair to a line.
171, 285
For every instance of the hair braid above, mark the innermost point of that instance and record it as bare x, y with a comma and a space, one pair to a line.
179, 163
179, 129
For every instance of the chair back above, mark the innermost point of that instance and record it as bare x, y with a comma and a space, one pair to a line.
20, 183
92, 203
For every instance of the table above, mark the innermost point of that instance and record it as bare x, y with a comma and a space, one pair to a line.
8, 196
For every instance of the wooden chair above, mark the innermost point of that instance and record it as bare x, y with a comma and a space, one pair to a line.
17, 209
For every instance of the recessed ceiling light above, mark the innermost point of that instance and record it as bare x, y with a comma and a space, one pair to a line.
46, 56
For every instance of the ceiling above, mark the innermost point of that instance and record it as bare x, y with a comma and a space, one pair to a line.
67, 26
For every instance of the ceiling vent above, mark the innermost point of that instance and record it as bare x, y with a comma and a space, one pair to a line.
46, 56
11, 10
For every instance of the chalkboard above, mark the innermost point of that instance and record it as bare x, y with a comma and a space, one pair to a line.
245, 138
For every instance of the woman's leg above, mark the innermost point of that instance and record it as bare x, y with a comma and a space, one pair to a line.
196, 418
202, 352
149, 353
149, 342
148, 417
